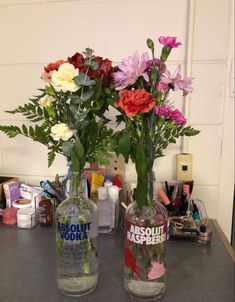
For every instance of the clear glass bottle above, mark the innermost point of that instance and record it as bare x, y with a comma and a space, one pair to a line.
76, 242
145, 249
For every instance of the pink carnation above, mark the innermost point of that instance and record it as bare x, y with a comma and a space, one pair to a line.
173, 114
169, 41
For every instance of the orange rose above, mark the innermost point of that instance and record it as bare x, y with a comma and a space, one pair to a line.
134, 101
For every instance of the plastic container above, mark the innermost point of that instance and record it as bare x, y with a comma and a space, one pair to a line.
26, 218
9, 216
45, 212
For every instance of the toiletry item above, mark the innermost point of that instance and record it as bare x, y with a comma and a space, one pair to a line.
22, 203
166, 201
96, 182
117, 181
113, 197
45, 212
9, 216
12, 192
26, 218
104, 211
108, 183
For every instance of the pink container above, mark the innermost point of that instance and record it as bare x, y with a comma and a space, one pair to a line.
9, 216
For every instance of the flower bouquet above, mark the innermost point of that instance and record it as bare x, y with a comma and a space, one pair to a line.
69, 112
143, 85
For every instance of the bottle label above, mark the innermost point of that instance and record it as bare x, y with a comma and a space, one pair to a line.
143, 235
74, 232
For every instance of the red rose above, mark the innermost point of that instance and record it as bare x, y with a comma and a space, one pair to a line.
77, 60
134, 101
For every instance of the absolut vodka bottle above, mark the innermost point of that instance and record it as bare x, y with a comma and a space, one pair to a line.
76, 246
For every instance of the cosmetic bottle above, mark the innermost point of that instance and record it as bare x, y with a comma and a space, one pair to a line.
104, 211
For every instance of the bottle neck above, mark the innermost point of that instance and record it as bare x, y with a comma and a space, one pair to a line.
75, 185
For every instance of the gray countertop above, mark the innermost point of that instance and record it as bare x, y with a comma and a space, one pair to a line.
195, 272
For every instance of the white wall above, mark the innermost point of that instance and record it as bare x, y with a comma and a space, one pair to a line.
36, 32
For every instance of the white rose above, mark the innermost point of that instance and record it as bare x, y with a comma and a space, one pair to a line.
61, 131
62, 79
45, 101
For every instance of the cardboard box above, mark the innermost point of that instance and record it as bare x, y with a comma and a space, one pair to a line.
4, 180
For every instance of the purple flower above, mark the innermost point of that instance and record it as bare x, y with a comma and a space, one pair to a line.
169, 41
130, 69
175, 82
170, 113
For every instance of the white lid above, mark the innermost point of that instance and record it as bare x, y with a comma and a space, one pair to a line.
18, 205
102, 193
113, 193
108, 183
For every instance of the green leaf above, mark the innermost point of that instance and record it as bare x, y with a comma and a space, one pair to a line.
119, 119
92, 64
24, 129
67, 147
31, 131
50, 90
78, 148
51, 157
88, 52
10, 131
83, 80
189, 131
124, 145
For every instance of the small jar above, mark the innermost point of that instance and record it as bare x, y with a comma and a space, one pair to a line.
9, 216
45, 212
26, 218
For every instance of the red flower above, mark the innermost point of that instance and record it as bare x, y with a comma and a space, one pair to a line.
134, 101
53, 66
77, 60
106, 70
46, 76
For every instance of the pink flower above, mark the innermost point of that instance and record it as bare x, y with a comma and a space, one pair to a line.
130, 69
158, 270
157, 63
175, 82
169, 41
173, 114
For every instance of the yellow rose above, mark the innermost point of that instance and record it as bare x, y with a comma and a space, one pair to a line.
61, 131
45, 101
62, 79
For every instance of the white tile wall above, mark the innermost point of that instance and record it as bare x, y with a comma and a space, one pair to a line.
133, 22
206, 105
211, 35
24, 82
206, 148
